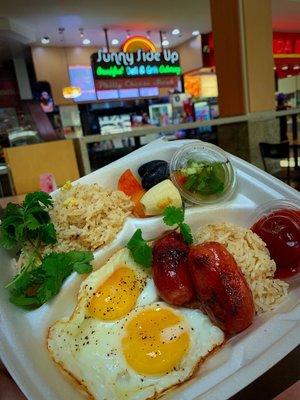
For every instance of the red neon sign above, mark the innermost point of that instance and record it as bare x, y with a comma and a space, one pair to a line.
286, 43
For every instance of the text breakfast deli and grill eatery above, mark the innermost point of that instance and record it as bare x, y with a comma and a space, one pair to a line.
137, 64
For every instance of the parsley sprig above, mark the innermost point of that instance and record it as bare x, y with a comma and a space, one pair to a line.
175, 216
139, 247
28, 228
28, 223
34, 288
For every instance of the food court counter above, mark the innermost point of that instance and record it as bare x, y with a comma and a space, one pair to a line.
169, 132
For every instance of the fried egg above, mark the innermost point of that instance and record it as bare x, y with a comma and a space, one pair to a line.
121, 342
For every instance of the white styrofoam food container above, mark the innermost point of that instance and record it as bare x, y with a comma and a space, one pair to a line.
243, 358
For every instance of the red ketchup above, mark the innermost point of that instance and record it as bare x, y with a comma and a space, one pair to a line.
280, 230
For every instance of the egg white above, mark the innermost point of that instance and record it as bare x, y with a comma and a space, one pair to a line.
91, 349
119, 259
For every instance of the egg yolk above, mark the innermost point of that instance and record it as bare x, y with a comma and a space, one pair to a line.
155, 341
116, 297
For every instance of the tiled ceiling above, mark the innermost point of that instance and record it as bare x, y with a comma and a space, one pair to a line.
32, 19
119, 16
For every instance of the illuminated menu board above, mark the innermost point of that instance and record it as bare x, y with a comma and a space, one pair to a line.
127, 93
107, 94
82, 76
149, 91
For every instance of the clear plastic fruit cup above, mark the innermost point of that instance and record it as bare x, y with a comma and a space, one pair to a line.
207, 153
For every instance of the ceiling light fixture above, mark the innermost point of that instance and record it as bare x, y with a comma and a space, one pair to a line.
274, 67
289, 76
284, 67
128, 34
165, 42
85, 41
45, 40
175, 31
195, 33
114, 42
69, 92
296, 67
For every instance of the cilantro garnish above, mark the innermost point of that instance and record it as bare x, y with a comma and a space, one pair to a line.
28, 227
186, 233
140, 250
28, 223
175, 216
35, 287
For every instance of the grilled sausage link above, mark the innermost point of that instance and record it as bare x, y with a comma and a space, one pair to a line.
221, 287
170, 269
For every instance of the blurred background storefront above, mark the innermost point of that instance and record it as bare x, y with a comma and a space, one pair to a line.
222, 88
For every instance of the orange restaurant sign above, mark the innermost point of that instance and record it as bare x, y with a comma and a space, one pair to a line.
135, 43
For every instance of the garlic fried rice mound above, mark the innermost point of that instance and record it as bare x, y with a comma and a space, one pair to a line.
253, 258
87, 217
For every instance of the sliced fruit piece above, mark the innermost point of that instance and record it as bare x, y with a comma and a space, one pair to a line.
129, 184
138, 209
160, 196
